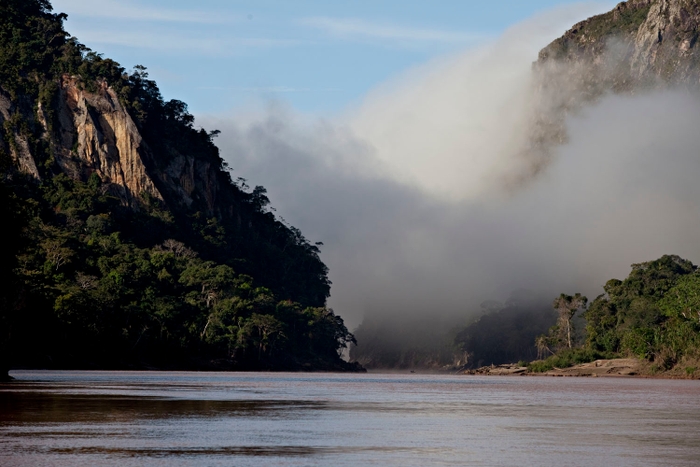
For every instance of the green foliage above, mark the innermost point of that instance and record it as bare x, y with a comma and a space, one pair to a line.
652, 314
89, 281
639, 341
104, 300
566, 307
626, 21
562, 335
566, 358
224, 220
30, 39
682, 301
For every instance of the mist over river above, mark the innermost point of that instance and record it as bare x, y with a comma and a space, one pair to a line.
75, 418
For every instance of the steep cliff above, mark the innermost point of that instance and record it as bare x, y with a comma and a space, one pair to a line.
96, 135
132, 243
65, 109
92, 132
640, 45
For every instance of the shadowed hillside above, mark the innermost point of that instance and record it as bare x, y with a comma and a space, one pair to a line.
129, 242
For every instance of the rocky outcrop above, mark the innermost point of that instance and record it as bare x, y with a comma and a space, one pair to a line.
498, 370
612, 367
96, 135
666, 43
92, 133
639, 42
640, 45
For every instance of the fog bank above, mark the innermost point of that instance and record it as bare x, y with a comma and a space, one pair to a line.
406, 189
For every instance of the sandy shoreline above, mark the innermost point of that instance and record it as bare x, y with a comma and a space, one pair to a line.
618, 367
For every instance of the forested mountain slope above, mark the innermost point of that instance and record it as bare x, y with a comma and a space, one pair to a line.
127, 241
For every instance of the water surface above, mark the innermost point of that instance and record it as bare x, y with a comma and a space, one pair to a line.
224, 419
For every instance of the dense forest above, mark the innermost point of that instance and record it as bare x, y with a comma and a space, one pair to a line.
653, 314
195, 273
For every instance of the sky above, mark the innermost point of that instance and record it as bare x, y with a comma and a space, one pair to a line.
318, 56
388, 131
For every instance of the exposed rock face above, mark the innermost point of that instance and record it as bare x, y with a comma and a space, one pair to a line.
666, 43
640, 45
97, 135
647, 42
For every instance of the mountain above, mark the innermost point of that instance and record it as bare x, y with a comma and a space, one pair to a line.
129, 244
639, 46
639, 43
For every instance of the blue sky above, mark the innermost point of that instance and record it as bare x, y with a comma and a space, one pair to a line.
318, 56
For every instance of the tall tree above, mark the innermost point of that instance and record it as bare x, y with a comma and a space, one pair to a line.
566, 306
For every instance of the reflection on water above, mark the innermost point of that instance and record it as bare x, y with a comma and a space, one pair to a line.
180, 418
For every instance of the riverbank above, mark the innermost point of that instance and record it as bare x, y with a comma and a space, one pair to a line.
617, 367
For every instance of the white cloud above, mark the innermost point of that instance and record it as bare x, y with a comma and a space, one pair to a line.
359, 29
262, 89
456, 126
127, 10
406, 190
179, 43
268, 89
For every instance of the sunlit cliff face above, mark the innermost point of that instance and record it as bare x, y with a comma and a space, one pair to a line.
409, 190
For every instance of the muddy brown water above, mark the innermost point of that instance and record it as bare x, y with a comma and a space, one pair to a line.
237, 419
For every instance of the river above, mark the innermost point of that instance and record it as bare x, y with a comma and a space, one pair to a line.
75, 418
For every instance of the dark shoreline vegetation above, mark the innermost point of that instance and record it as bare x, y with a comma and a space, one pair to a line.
194, 272
653, 315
